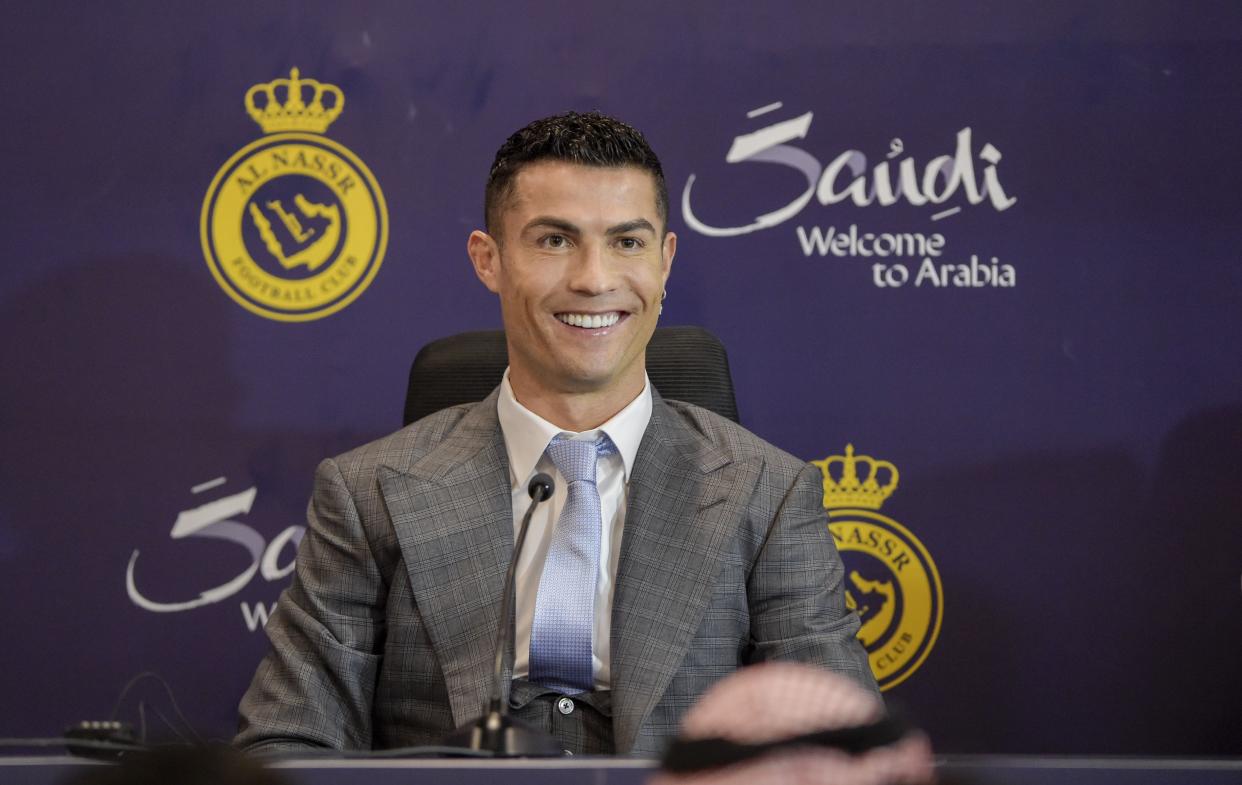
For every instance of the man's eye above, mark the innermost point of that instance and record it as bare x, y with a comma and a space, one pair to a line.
556, 241
630, 243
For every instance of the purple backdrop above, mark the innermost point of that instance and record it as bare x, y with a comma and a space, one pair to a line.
1068, 446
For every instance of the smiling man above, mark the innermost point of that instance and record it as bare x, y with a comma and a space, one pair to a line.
578, 255
677, 547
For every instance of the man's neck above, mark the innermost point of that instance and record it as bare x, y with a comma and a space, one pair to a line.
576, 412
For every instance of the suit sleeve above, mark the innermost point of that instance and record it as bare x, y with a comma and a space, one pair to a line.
795, 590
316, 686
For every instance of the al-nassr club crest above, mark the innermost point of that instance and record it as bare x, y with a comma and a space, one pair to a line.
294, 225
890, 579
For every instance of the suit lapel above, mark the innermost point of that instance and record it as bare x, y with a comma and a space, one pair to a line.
677, 524
453, 519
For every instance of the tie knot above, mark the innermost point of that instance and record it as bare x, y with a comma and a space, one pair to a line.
575, 459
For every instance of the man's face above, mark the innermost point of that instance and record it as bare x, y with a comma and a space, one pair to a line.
579, 265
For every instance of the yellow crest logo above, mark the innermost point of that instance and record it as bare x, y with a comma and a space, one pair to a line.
294, 226
891, 581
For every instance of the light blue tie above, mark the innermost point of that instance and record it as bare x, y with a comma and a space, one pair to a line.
560, 636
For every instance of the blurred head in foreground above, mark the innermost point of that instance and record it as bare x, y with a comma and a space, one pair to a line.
737, 733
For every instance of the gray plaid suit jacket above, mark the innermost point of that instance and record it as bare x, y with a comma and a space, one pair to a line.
385, 636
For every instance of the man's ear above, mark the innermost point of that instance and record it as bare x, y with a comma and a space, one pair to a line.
484, 253
669, 250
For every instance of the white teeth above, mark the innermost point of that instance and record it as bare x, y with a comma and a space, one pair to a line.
590, 321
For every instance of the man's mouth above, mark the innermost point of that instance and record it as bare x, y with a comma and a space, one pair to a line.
590, 321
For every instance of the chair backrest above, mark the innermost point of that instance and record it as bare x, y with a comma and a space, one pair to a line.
685, 364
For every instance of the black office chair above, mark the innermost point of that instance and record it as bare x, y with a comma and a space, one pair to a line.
685, 364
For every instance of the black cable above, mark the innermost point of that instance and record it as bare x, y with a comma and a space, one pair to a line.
172, 728
129, 685
171, 699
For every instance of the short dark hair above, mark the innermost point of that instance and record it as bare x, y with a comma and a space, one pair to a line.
591, 139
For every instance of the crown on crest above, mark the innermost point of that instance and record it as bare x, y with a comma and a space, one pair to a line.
294, 104
847, 490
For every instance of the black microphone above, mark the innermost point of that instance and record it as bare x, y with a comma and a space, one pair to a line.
496, 731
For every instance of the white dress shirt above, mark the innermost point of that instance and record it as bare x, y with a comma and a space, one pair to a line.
526, 438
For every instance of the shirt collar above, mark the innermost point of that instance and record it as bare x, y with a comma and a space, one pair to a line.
527, 434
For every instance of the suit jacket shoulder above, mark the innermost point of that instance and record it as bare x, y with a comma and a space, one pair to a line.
726, 435
707, 433
472, 425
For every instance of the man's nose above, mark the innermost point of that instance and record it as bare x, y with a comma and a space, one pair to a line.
592, 273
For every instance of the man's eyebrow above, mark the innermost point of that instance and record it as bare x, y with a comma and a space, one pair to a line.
631, 226
560, 224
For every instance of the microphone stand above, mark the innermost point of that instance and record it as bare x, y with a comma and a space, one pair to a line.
496, 731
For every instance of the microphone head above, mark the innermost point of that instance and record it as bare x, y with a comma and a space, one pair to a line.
541, 487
